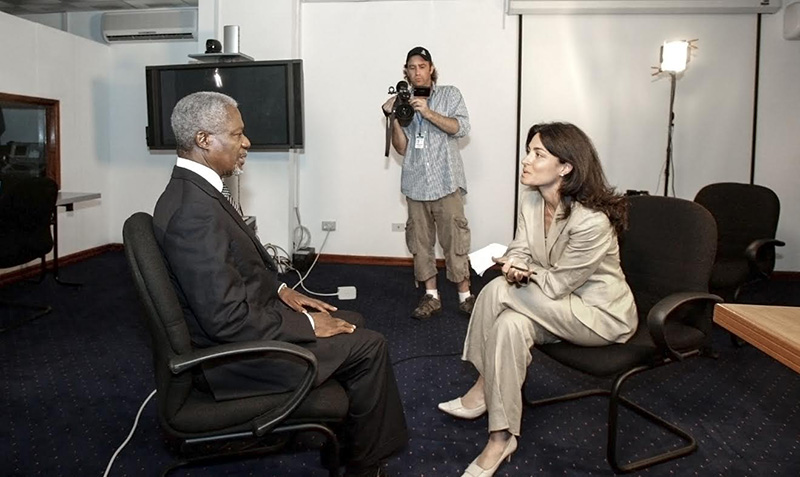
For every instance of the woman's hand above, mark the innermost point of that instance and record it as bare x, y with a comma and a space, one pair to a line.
298, 302
515, 274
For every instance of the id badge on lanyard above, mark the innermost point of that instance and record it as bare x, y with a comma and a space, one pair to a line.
419, 138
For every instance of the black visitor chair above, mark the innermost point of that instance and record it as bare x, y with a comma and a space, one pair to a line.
27, 204
666, 253
747, 220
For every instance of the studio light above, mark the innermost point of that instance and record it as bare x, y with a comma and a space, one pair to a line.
674, 56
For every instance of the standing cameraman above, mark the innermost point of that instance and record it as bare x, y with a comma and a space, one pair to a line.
433, 181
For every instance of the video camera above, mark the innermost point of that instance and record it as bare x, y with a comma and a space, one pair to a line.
402, 109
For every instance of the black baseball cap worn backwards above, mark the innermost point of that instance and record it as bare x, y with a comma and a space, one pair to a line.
419, 51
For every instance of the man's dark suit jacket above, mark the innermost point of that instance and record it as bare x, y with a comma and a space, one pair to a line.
228, 287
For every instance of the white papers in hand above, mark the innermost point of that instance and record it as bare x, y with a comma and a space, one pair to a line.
481, 260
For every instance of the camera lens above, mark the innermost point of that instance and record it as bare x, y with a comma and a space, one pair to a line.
404, 113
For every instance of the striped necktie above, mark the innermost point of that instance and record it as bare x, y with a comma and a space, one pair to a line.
227, 193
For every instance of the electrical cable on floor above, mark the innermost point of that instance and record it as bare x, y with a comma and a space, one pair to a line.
409, 358
124, 443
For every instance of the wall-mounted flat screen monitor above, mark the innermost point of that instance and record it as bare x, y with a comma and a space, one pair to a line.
269, 93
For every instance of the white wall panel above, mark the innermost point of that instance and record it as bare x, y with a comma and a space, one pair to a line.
595, 71
139, 175
778, 146
353, 52
592, 70
268, 31
19, 79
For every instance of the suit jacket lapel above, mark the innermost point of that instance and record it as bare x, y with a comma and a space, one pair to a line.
181, 173
558, 225
537, 242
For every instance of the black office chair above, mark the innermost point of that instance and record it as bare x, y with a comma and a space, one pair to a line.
27, 205
747, 219
191, 415
666, 253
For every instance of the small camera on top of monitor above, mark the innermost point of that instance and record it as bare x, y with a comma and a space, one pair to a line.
213, 46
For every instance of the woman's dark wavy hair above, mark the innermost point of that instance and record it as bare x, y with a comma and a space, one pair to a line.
585, 183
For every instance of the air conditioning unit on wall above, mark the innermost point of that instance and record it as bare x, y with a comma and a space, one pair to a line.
545, 7
150, 25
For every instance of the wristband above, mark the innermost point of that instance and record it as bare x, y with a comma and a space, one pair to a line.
281, 287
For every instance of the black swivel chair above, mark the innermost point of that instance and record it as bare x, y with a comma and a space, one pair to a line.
190, 415
666, 253
747, 219
27, 205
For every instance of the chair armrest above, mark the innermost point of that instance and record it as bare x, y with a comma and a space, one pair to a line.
755, 247
182, 363
265, 422
661, 311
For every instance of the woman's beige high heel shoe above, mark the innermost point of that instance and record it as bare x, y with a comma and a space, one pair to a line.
474, 470
456, 408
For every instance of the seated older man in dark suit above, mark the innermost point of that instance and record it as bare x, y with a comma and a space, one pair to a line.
229, 290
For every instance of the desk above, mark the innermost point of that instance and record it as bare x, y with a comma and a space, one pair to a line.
774, 330
68, 201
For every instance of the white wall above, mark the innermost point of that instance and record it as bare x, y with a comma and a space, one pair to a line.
778, 138
268, 31
352, 53
141, 175
44, 62
594, 71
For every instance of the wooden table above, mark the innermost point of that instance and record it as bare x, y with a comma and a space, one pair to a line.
774, 330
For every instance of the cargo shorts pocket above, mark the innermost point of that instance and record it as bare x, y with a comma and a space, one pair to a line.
461, 236
411, 238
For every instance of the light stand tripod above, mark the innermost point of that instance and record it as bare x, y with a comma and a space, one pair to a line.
668, 165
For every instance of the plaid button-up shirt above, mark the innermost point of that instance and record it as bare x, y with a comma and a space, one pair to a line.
436, 170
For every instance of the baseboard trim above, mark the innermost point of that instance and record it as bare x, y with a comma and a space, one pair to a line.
785, 276
32, 271
368, 260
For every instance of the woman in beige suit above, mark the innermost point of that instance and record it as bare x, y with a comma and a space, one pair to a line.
561, 281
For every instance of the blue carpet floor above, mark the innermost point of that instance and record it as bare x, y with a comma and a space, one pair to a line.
73, 380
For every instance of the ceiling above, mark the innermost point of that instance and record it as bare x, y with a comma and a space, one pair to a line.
26, 7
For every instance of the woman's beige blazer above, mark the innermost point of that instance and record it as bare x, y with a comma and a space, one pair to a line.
579, 258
